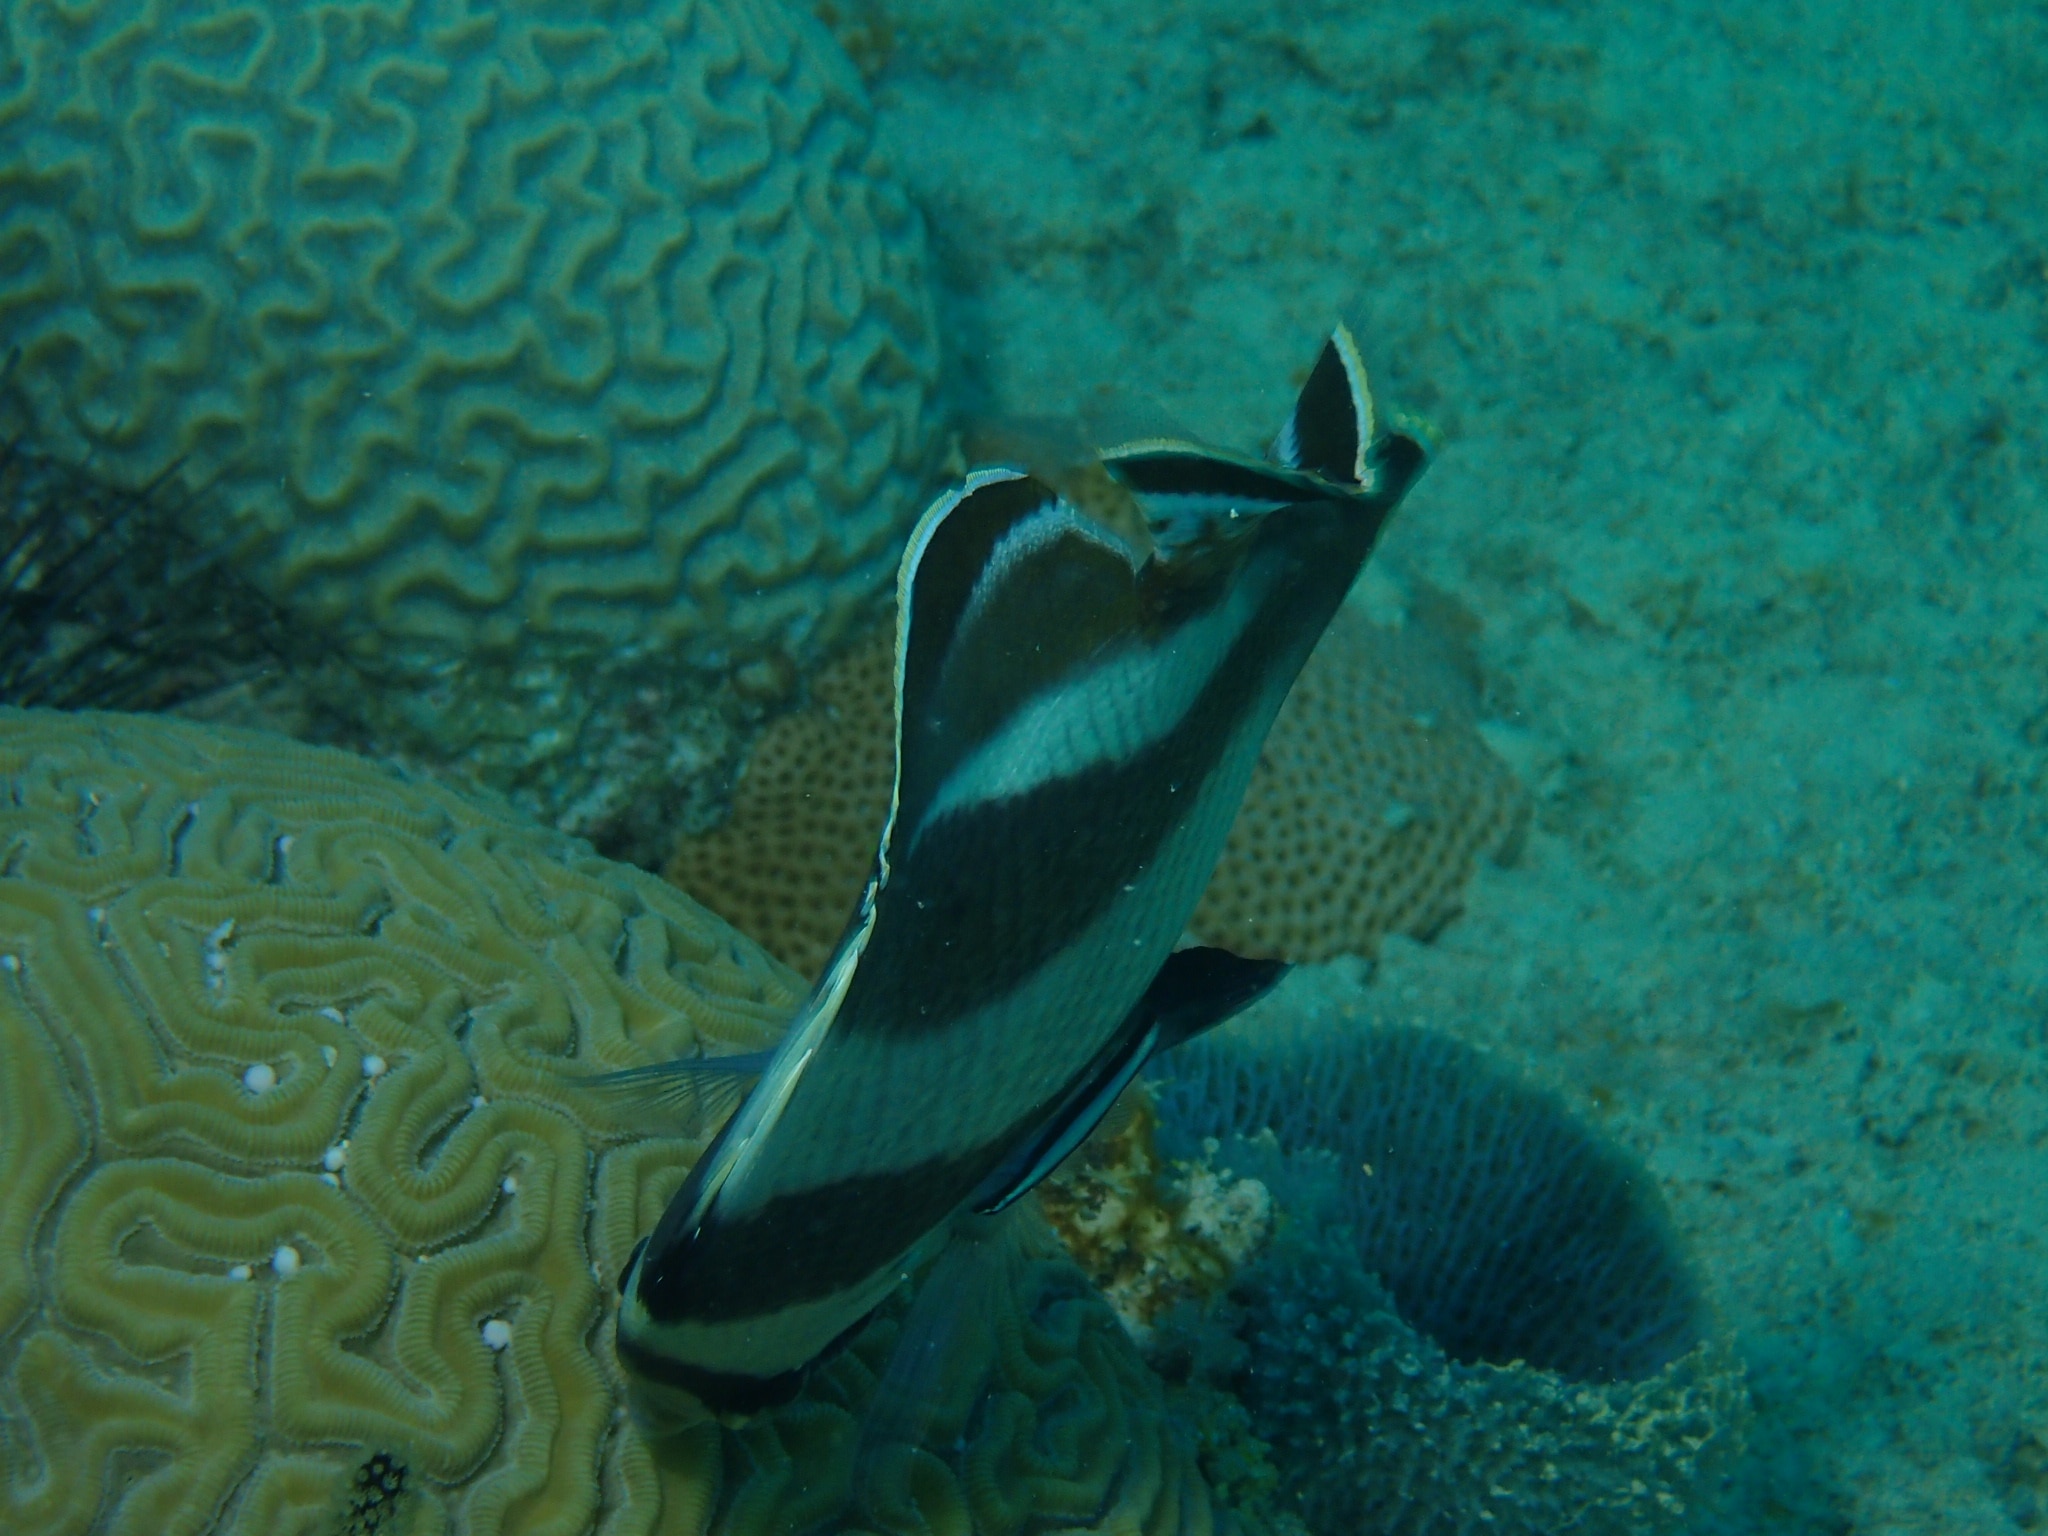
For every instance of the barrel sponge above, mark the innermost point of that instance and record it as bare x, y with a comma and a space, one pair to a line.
1372, 801
1374, 1428
551, 331
1476, 1315
306, 1226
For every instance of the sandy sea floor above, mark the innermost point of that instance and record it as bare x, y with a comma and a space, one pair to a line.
1734, 320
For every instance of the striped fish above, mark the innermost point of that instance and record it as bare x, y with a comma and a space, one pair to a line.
1084, 682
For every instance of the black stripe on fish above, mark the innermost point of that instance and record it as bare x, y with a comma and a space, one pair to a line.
733, 1392
1000, 915
803, 1246
1164, 470
1051, 589
830, 1225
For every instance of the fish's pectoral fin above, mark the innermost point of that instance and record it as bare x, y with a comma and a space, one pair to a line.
1332, 425
694, 1094
1199, 988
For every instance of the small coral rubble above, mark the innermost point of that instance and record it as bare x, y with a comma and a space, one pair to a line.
1150, 1234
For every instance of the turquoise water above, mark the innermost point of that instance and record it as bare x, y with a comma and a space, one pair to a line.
1731, 322
1733, 317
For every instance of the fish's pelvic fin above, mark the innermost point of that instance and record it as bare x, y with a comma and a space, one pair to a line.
946, 1339
1332, 426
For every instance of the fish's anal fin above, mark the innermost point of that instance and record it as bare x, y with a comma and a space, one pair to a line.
1195, 990
1331, 428
693, 1095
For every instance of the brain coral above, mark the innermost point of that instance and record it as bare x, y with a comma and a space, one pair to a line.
293, 1172
1476, 1317
308, 1229
1374, 798
540, 340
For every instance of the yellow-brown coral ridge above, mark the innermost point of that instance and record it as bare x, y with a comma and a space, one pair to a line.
1373, 801
293, 1166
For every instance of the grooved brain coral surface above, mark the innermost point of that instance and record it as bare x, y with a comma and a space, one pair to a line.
519, 327
294, 1174
1373, 800
1044, 1417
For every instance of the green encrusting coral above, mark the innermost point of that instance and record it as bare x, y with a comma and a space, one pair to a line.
307, 1230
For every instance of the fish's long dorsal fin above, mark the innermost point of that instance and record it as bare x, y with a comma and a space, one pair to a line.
1331, 427
1195, 990
1005, 588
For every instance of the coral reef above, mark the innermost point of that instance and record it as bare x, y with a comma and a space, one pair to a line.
1474, 1315
787, 865
308, 1226
1373, 799
571, 361
294, 1172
